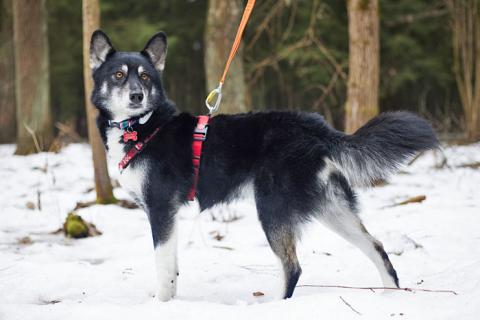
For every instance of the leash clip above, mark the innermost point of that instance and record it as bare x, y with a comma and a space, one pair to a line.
214, 96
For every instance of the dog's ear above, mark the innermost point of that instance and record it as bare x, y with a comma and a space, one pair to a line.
156, 50
100, 48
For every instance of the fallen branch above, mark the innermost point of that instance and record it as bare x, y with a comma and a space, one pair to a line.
121, 203
81, 205
416, 199
223, 247
413, 290
473, 165
350, 306
127, 204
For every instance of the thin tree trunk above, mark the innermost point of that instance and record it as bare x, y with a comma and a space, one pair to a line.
103, 185
364, 63
34, 125
465, 15
7, 74
223, 18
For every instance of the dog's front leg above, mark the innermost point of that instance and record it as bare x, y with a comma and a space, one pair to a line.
164, 232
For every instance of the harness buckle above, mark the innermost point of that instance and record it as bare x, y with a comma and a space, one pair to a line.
200, 134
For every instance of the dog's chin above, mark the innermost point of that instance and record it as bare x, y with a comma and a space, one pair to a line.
127, 113
136, 110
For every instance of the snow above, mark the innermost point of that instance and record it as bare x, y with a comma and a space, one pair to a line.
434, 244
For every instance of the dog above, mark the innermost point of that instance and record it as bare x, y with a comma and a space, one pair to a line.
301, 169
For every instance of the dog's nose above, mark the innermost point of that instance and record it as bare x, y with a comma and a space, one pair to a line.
136, 97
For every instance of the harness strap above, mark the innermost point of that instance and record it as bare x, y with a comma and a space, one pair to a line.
133, 152
199, 136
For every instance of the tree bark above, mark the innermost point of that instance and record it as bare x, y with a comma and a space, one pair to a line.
223, 18
465, 22
103, 185
7, 74
34, 125
364, 63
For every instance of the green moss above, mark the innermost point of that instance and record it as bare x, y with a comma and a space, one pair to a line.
75, 226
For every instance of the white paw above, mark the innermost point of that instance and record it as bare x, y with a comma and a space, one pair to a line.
167, 289
166, 294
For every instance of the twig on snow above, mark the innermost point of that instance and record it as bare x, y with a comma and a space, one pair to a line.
416, 199
223, 247
350, 306
413, 290
473, 165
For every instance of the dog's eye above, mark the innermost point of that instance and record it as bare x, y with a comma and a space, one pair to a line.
119, 75
144, 76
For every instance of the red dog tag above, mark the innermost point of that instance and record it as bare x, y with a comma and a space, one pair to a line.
127, 136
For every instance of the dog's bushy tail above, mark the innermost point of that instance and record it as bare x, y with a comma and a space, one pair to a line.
377, 149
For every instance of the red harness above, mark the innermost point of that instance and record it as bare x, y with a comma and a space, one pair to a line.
199, 136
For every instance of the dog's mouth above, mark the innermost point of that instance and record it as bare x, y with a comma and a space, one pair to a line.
135, 106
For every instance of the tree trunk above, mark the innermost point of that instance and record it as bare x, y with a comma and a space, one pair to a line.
223, 18
363, 64
7, 74
103, 185
465, 15
34, 125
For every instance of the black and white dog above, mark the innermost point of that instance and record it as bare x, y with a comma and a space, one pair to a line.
301, 169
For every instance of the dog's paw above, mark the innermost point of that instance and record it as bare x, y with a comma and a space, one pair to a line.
164, 296
167, 290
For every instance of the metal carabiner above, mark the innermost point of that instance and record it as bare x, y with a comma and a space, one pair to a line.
214, 94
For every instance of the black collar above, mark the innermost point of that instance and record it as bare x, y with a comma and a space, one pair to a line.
128, 123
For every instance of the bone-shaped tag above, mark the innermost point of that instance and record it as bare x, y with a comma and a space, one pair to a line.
132, 135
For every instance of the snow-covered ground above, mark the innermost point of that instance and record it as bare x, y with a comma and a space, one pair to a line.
433, 245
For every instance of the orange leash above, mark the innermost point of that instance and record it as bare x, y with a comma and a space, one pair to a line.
216, 94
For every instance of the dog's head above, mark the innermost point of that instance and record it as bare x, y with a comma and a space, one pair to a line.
127, 84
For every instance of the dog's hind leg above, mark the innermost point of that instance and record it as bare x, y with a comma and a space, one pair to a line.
348, 225
282, 240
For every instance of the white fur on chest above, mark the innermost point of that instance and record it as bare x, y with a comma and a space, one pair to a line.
132, 179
